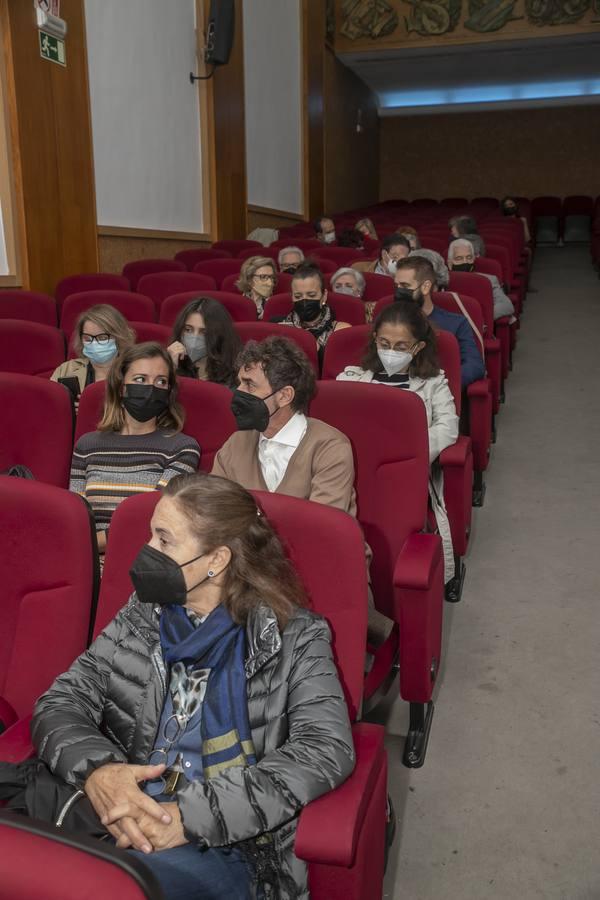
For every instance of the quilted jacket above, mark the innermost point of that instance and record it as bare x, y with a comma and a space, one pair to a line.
107, 707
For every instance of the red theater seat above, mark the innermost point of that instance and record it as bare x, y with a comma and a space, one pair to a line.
258, 331
140, 267
135, 307
303, 243
151, 331
343, 862
218, 270
48, 575
28, 305
388, 433
476, 285
96, 281
30, 348
165, 284
201, 254
234, 247
269, 252
241, 309
341, 256
67, 866
377, 286
37, 427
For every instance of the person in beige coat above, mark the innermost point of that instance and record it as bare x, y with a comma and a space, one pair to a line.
100, 334
279, 448
402, 354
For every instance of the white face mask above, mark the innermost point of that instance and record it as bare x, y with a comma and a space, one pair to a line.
344, 289
329, 238
394, 361
392, 266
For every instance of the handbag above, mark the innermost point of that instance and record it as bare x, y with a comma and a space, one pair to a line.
32, 790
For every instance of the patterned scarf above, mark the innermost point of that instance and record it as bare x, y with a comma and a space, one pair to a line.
320, 329
219, 645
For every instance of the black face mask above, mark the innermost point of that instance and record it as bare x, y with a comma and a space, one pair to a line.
463, 267
251, 413
158, 579
307, 310
290, 270
509, 211
406, 295
145, 401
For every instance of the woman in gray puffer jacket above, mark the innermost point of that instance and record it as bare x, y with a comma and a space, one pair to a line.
209, 711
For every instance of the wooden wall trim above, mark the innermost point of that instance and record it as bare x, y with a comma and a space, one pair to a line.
268, 210
118, 231
10, 172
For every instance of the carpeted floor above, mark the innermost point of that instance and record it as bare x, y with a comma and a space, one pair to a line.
507, 805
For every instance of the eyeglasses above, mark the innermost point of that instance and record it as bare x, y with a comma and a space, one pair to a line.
166, 783
102, 338
405, 346
265, 277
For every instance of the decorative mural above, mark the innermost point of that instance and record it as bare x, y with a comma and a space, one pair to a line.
397, 23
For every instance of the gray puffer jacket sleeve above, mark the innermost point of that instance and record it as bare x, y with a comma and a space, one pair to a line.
66, 720
318, 755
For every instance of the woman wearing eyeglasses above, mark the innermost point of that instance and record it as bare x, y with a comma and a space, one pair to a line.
402, 353
139, 444
209, 712
257, 281
100, 334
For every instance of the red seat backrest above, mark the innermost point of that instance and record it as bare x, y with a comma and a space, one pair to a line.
305, 244
241, 309
218, 270
283, 283
37, 427
377, 286
434, 242
151, 331
343, 256
67, 866
30, 348
448, 302
28, 305
310, 532
138, 268
388, 432
134, 307
269, 252
478, 286
89, 413
234, 247
258, 331
165, 284
47, 575
96, 281
489, 267
200, 254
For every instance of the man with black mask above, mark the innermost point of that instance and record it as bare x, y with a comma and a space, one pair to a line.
415, 280
461, 258
278, 448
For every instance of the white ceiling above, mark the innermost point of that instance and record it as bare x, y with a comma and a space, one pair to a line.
536, 72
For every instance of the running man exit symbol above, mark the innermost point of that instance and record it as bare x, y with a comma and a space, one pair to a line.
52, 48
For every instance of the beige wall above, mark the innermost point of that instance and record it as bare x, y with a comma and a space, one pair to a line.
526, 152
351, 159
114, 252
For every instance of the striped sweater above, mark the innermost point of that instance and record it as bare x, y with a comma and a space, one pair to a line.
107, 466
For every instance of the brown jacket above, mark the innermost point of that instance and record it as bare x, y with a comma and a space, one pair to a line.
72, 368
321, 468
365, 266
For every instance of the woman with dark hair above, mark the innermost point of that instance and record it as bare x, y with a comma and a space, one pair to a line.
402, 353
139, 445
510, 207
204, 343
191, 723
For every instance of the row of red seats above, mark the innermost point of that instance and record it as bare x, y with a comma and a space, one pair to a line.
51, 599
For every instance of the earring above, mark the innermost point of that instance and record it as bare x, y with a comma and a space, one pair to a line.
210, 573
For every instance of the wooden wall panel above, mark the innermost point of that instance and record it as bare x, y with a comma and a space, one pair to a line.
527, 152
351, 158
115, 251
54, 140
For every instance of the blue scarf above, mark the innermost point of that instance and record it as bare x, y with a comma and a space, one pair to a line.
217, 644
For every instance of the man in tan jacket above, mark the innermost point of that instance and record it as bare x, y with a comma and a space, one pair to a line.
278, 448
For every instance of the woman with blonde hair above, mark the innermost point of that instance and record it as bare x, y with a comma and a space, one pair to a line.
366, 228
100, 333
139, 445
258, 277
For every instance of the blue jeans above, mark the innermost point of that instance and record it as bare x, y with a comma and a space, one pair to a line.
187, 873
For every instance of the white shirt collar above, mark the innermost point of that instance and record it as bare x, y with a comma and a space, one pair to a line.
291, 434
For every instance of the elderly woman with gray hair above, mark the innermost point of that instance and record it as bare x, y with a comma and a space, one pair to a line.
348, 281
461, 258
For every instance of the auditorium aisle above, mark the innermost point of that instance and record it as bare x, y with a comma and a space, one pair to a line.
506, 806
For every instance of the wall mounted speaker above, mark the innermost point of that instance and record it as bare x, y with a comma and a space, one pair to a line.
220, 32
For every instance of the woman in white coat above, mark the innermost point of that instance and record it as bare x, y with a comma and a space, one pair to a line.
402, 353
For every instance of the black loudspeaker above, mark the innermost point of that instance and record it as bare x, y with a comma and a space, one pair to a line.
220, 31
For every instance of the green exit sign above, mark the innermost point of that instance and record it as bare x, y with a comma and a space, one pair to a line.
52, 48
